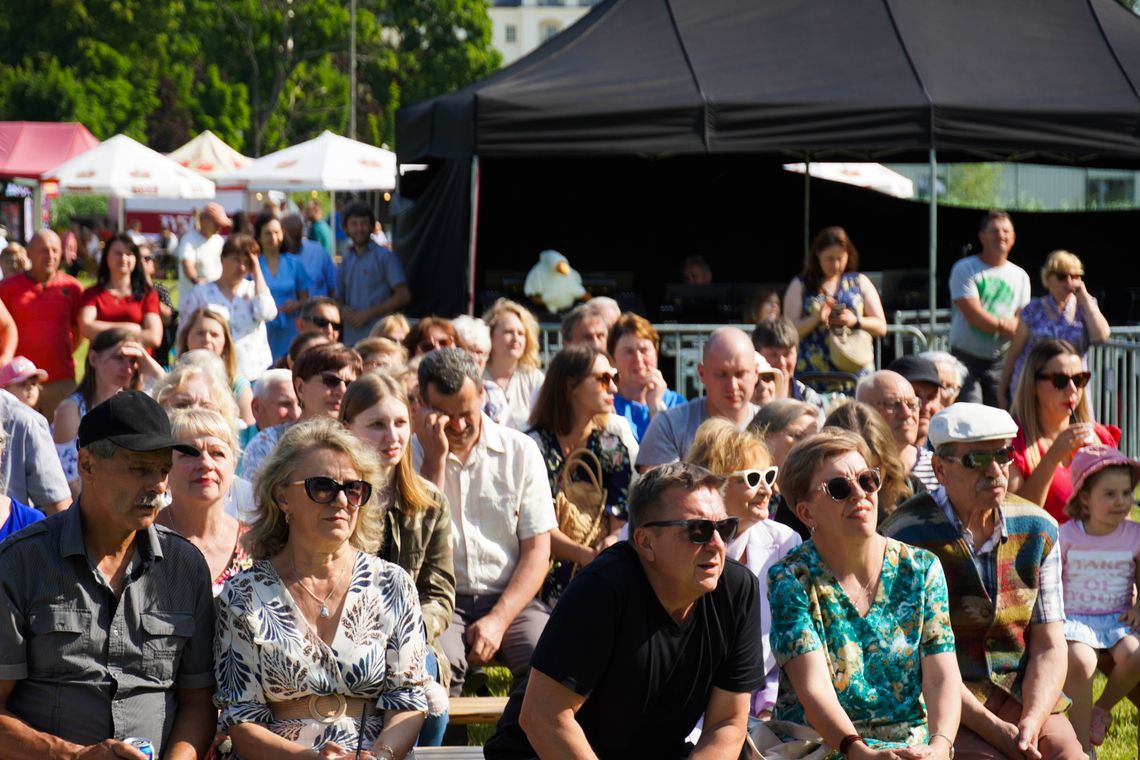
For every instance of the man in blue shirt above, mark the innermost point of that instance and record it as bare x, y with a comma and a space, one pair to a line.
370, 279
315, 259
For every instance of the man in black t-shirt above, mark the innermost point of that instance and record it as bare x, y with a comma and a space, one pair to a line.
652, 634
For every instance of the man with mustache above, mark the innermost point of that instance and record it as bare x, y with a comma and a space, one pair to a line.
107, 620
1003, 571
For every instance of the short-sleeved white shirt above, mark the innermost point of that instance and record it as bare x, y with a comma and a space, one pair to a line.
1002, 290
499, 497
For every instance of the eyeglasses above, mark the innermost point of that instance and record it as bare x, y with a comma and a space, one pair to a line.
332, 380
322, 323
981, 460
752, 478
701, 531
148, 258
840, 488
605, 378
427, 346
901, 405
1061, 381
1067, 275
323, 490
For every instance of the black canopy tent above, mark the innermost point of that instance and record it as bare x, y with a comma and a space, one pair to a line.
901, 80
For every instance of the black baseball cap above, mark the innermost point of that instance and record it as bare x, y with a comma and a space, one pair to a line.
132, 420
916, 369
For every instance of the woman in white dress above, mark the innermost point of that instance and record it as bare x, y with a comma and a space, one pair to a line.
320, 644
514, 364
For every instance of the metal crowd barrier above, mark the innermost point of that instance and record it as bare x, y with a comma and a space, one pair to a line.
1114, 391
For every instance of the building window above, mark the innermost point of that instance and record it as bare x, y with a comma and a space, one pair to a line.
511, 32
548, 29
1110, 192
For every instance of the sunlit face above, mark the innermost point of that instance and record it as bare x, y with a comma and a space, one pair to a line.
591, 330
116, 366
385, 425
687, 569
857, 515
508, 338
593, 395
765, 390
319, 527
832, 261
749, 503
635, 357
780, 442
930, 396
124, 493
359, 229
206, 333
235, 266
464, 410
730, 378
972, 490
1108, 499
783, 359
275, 405
44, 253
1059, 401
204, 479
321, 394
998, 237
433, 339
894, 398
480, 352
27, 391
1063, 284
271, 236
121, 260
194, 393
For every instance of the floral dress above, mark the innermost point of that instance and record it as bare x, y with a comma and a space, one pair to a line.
617, 473
875, 660
247, 314
815, 354
265, 651
1045, 320
239, 561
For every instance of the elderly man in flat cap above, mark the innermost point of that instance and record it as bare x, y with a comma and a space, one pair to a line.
1003, 570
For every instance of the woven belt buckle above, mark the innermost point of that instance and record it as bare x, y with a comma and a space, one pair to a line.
327, 716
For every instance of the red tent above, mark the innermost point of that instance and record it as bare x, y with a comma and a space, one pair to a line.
30, 148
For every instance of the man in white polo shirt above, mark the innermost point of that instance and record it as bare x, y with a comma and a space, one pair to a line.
502, 513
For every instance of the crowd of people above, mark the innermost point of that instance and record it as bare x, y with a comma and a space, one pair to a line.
279, 519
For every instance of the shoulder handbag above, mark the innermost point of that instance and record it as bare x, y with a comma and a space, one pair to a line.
852, 350
580, 505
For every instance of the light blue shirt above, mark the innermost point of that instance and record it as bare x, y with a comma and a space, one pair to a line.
319, 268
364, 280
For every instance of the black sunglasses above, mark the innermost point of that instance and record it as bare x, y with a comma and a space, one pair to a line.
323, 490
1061, 381
981, 460
752, 478
840, 489
701, 531
323, 323
333, 380
605, 378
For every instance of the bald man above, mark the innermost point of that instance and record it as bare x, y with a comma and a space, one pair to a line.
893, 397
728, 372
44, 302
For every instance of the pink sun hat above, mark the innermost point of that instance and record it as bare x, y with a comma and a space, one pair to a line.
18, 370
1089, 460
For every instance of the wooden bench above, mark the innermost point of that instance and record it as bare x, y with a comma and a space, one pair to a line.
463, 711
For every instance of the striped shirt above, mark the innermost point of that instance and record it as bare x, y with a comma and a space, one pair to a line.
89, 665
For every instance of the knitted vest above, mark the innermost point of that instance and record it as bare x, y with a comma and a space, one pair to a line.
990, 635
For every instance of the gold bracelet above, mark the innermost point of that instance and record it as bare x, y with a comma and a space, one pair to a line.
385, 748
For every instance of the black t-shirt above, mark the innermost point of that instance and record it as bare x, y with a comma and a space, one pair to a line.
645, 677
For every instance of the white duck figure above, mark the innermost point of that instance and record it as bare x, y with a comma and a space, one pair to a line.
553, 282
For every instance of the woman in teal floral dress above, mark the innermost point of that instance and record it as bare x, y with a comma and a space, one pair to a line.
831, 293
574, 411
860, 623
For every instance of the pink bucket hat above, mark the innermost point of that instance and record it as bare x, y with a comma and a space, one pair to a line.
1089, 460
18, 370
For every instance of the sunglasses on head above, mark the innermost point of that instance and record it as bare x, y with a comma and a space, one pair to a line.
841, 488
701, 531
323, 490
333, 380
323, 323
605, 378
1061, 381
752, 478
981, 460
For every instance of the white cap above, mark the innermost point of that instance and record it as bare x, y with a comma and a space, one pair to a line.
764, 368
970, 423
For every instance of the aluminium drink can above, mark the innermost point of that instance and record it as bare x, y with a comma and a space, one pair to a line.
142, 745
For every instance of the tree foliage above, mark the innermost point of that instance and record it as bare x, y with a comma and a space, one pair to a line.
262, 74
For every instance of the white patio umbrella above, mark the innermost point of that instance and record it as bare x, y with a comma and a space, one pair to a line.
123, 168
328, 162
210, 156
871, 176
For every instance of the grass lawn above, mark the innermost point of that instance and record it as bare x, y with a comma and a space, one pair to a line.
80, 354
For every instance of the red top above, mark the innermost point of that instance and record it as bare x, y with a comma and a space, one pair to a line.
1061, 488
110, 307
46, 317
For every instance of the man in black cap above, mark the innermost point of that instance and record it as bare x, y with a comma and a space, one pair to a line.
107, 620
927, 383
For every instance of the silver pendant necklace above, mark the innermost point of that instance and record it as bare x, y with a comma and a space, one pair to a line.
324, 606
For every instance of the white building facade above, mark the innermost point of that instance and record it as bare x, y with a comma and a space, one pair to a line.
520, 26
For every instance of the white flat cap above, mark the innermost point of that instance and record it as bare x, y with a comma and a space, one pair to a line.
970, 423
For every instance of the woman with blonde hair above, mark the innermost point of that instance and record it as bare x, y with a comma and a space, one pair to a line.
1053, 421
320, 644
1067, 312
863, 420
417, 518
200, 385
741, 457
783, 423
207, 327
514, 364
394, 327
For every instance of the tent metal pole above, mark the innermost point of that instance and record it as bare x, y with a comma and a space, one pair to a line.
472, 237
932, 260
332, 216
807, 204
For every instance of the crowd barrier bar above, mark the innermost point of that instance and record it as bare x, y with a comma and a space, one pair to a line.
1114, 391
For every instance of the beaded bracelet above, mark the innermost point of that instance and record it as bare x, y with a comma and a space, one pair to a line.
847, 741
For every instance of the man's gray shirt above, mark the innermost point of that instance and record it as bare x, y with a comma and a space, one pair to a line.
671, 432
30, 471
89, 666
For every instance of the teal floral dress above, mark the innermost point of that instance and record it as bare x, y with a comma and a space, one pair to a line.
875, 661
617, 473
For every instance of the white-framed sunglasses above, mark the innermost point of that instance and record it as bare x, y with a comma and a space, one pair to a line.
753, 478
